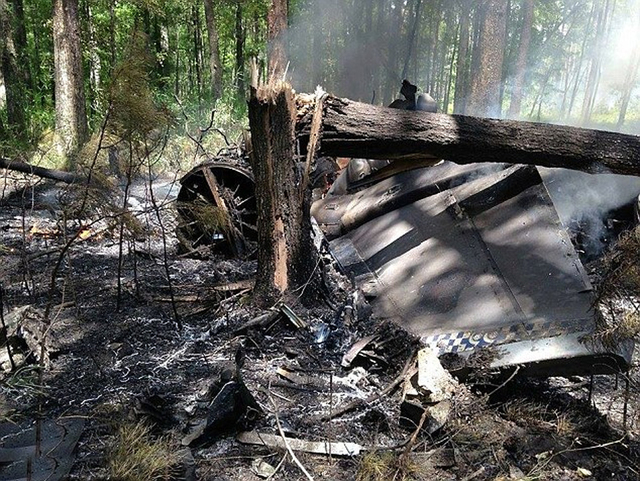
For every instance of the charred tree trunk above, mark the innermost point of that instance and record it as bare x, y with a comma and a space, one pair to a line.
353, 129
285, 252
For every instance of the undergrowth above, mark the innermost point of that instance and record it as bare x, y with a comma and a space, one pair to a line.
136, 456
618, 292
387, 465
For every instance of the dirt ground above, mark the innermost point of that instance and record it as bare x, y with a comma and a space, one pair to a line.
137, 332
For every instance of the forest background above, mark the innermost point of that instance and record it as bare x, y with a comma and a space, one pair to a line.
73, 70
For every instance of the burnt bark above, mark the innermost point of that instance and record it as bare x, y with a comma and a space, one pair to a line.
285, 251
353, 129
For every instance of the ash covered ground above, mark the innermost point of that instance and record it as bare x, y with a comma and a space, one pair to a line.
138, 332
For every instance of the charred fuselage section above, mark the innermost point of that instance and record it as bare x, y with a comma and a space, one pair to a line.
471, 257
468, 257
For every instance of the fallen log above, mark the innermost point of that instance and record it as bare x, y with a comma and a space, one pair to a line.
58, 175
354, 129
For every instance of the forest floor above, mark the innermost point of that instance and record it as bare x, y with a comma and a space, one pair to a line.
144, 372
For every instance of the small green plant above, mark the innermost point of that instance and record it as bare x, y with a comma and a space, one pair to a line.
24, 380
136, 456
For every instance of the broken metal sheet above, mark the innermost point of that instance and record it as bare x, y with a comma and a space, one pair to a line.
315, 447
42, 451
467, 257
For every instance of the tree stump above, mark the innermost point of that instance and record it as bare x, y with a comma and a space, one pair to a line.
286, 255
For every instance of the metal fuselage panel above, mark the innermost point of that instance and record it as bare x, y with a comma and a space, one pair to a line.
466, 257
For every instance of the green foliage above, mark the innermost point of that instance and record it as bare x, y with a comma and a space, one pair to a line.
133, 113
146, 61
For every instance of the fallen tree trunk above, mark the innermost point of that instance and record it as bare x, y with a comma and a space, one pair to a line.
58, 175
354, 129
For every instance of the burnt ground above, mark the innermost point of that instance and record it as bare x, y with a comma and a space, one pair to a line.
119, 359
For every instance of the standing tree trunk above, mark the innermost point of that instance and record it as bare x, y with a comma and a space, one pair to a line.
378, 83
277, 26
593, 80
3, 97
13, 80
21, 42
629, 84
484, 97
435, 69
462, 66
581, 59
158, 33
176, 84
449, 79
198, 57
411, 38
95, 64
112, 34
521, 62
239, 50
394, 23
71, 117
215, 68
285, 251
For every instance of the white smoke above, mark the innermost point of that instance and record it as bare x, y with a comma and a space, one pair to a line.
588, 198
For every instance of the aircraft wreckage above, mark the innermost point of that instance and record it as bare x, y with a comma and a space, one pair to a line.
467, 257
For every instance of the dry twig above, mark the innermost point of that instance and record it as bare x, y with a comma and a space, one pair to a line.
286, 442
